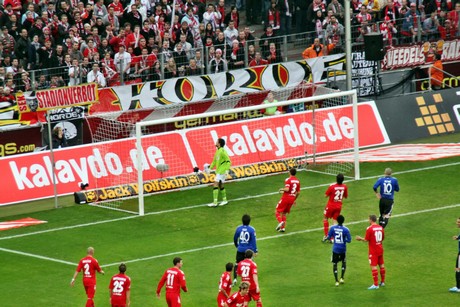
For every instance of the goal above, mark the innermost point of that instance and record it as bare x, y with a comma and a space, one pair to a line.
321, 130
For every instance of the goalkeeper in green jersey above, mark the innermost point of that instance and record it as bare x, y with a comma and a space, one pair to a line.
222, 164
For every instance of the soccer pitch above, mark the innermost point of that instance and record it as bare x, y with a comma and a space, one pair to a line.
294, 267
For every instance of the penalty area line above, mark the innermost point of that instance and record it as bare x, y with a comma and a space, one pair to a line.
199, 249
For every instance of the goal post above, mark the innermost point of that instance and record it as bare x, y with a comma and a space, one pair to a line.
325, 127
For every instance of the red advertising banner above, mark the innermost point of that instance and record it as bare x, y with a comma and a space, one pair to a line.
57, 98
420, 54
29, 176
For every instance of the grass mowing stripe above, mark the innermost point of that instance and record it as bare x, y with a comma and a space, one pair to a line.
203, 205
272, 237
219, 245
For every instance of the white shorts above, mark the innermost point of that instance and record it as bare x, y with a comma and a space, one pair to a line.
220, 177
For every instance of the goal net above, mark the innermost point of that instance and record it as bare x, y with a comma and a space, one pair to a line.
312, 126
303, 130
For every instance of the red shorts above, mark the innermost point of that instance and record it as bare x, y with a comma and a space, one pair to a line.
255, 296
332, 212
221, 299
173, 300
285, 204
90, 290
117, 301
375, 260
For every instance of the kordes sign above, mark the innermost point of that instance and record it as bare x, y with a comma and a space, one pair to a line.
254, 141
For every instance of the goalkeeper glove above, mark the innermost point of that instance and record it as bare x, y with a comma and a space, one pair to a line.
206, 168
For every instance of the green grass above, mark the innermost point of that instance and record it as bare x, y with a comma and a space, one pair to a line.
294, 268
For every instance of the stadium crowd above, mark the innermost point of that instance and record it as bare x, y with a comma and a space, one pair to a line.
46, 44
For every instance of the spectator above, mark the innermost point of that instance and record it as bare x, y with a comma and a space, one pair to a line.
48, 58
108, 67
65, 68
221, 9
75, 53
391, 11
170, 69
122, 61
373, 7
437, 73
273, 17
111, 18
287, 10
25, 84
59, 141
217, 64
200, 62
454, 16
334, 32
96, 76
192, 69
231, 33
74, 73
42, 83
388, 31
267, 38
410, 24
236, 56
430, 28
104, 48
258, 60
337, 10
273, 54
133, 17
251, 53
319, 19
317, 50
21, 48
134, 38
234, 16
156, 71
180, 57
211, 16
90, 50
447, 31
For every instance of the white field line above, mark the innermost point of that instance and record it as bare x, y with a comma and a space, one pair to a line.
211, 246
204, 205
36, 256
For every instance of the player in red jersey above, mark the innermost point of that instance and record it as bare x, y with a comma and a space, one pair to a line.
175, 280
336, 193
120, 288
225, 285
247, 270
89, 265
290, 192
240, 298
375, 236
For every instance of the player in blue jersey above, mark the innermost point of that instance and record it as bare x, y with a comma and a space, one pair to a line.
385, 189
244, 239
457, 263
341, 236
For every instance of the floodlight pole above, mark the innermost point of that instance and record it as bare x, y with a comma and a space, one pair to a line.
53, 164
347, 26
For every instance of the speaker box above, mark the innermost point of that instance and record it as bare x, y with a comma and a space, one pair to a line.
373, 47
